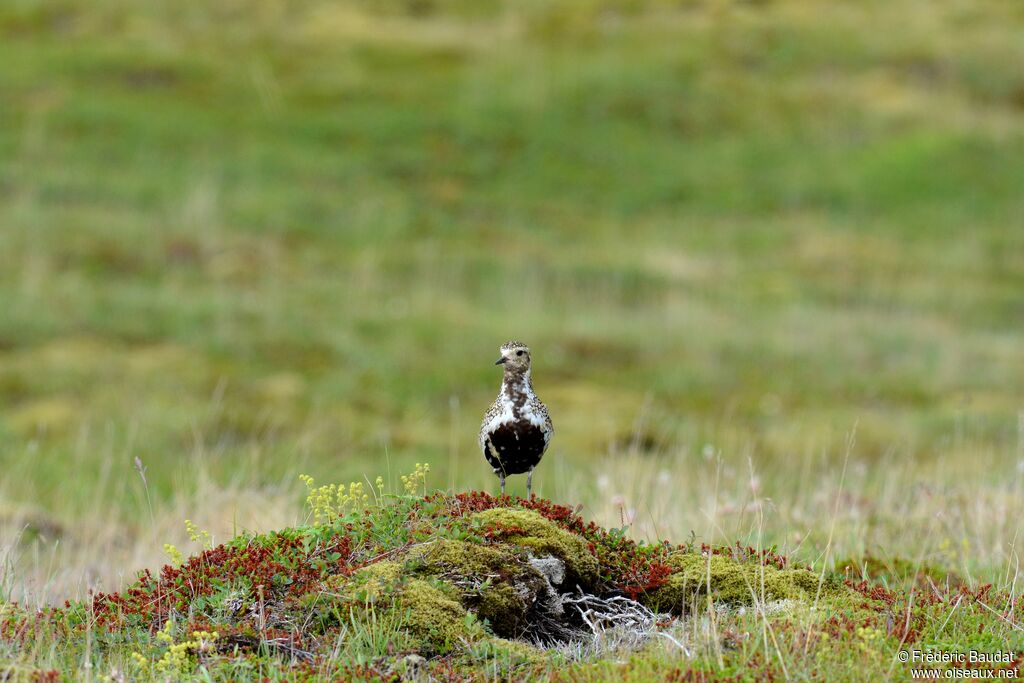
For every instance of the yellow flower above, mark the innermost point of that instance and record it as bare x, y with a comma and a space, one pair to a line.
173, 554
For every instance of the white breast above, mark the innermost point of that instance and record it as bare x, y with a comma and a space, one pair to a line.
531, 413
504, 414
504, 411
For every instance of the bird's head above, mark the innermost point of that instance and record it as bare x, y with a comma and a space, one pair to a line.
515, 355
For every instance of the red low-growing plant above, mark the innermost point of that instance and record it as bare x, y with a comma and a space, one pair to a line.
271, 567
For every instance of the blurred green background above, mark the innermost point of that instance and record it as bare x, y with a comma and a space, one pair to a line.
287, 235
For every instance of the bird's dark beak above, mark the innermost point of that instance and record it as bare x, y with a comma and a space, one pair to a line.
501, 361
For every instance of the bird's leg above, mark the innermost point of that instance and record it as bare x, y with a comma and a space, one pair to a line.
529, 484
502, 478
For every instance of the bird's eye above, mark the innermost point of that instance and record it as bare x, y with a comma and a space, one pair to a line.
519, 352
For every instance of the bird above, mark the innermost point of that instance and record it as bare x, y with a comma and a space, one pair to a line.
516, 429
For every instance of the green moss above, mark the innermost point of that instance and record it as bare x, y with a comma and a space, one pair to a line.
466, 558
541, 536
727, 581
430, 611
503, 609
373, 582
497, 583
440, 584
433, 615
516, 650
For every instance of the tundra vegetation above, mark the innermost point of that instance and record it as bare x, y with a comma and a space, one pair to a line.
468, 587
767, 254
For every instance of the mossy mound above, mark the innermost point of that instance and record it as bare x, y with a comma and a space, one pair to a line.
453, 590
445, 587
469, 577
530, 530
697, 580
496, 582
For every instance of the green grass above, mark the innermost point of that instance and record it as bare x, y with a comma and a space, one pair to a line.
244, 240
721, 212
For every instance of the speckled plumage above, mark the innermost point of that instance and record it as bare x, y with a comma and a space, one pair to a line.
516, 429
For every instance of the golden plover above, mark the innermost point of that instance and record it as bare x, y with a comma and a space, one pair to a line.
516, 429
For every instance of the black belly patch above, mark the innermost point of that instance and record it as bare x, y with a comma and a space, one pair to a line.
519, 445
